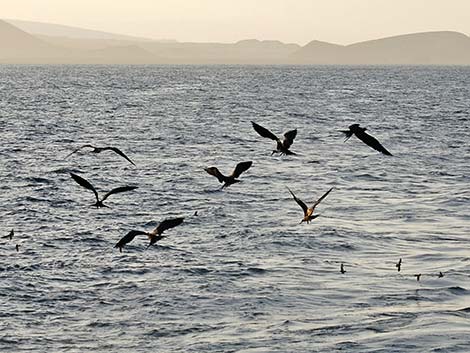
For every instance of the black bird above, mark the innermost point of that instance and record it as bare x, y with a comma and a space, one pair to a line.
440, 274
154, 236
99, 203
418, 277
17, 247
101, 149
10, 235
231, 179
369, 140
308, 211
342, 270
398, 265
282, 147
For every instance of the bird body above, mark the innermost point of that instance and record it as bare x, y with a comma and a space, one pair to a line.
231, 179
101, 149
398, 265
362, 135
10, 235
282, 146
308, 211
87, 185
342, 270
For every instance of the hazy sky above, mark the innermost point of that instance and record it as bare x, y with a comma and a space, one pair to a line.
299, 21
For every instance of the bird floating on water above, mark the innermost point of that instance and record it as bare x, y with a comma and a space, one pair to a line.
154, 236
342, 270
231, 179
398, 265
10, 235
369, 140
308, 211
101, 149
99, 203
282, 147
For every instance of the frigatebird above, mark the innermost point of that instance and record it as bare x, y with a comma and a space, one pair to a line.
369, 140
308, 211
10, 235
282, 147
101, 149
231, 179
154, 236
99, 203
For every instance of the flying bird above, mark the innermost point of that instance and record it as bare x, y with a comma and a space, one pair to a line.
342, 270
418, 276
398, 265
17, 247
99, 203
282, 147
101, 149
440, 275
308, 211
10, 235
369, 140
231, 179
154, 236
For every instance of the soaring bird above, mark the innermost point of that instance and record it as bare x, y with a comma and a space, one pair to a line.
282, 147
99, 203
10, 235
398, 265
101, 149
341, 269
369, 140
308, 211
154, 236
231, 179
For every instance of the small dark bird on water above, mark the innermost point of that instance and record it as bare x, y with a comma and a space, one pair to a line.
398, 265
282, 147
10, 235
99, 203
369, 140
418, 277
342, 270
308, 211
154, 236
17, 247
231, 179
101, 149
440, 274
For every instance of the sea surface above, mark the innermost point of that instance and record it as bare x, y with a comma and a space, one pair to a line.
242, 275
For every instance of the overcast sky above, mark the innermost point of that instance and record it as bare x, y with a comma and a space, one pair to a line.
298, 21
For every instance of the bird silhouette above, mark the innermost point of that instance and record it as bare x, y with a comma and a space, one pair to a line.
101, 149
10, 235
282, 147
231, 179
342, 270
99, 203
418, 276
440, 275
398, 265
154, 236
369, 140
17, 247
308, 211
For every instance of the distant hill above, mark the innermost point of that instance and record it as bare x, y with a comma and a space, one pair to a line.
429, 48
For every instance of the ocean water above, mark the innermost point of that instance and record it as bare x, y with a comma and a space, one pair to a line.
243, 275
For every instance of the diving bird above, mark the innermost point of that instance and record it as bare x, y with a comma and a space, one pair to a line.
99, 203
231, 179
10, 235
154, 236
369, 140
308, 211
282, 147
398, 265
101, 149
342, 270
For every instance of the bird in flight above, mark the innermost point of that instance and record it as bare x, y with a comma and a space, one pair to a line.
154, 236
342, 270
231, 179
398, 265
99, 203
282, 147
101, 149
10, 235
369, 140
308, 211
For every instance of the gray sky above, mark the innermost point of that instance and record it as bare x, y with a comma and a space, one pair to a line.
298, 21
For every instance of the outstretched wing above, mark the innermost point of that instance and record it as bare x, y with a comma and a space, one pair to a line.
348, 134
215, 172
299, 202
85, 184
118, 190
167, 224
78, 149
240, 168
264, 132
372, 142
128, 238
119, 152
321, 198
289, 137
